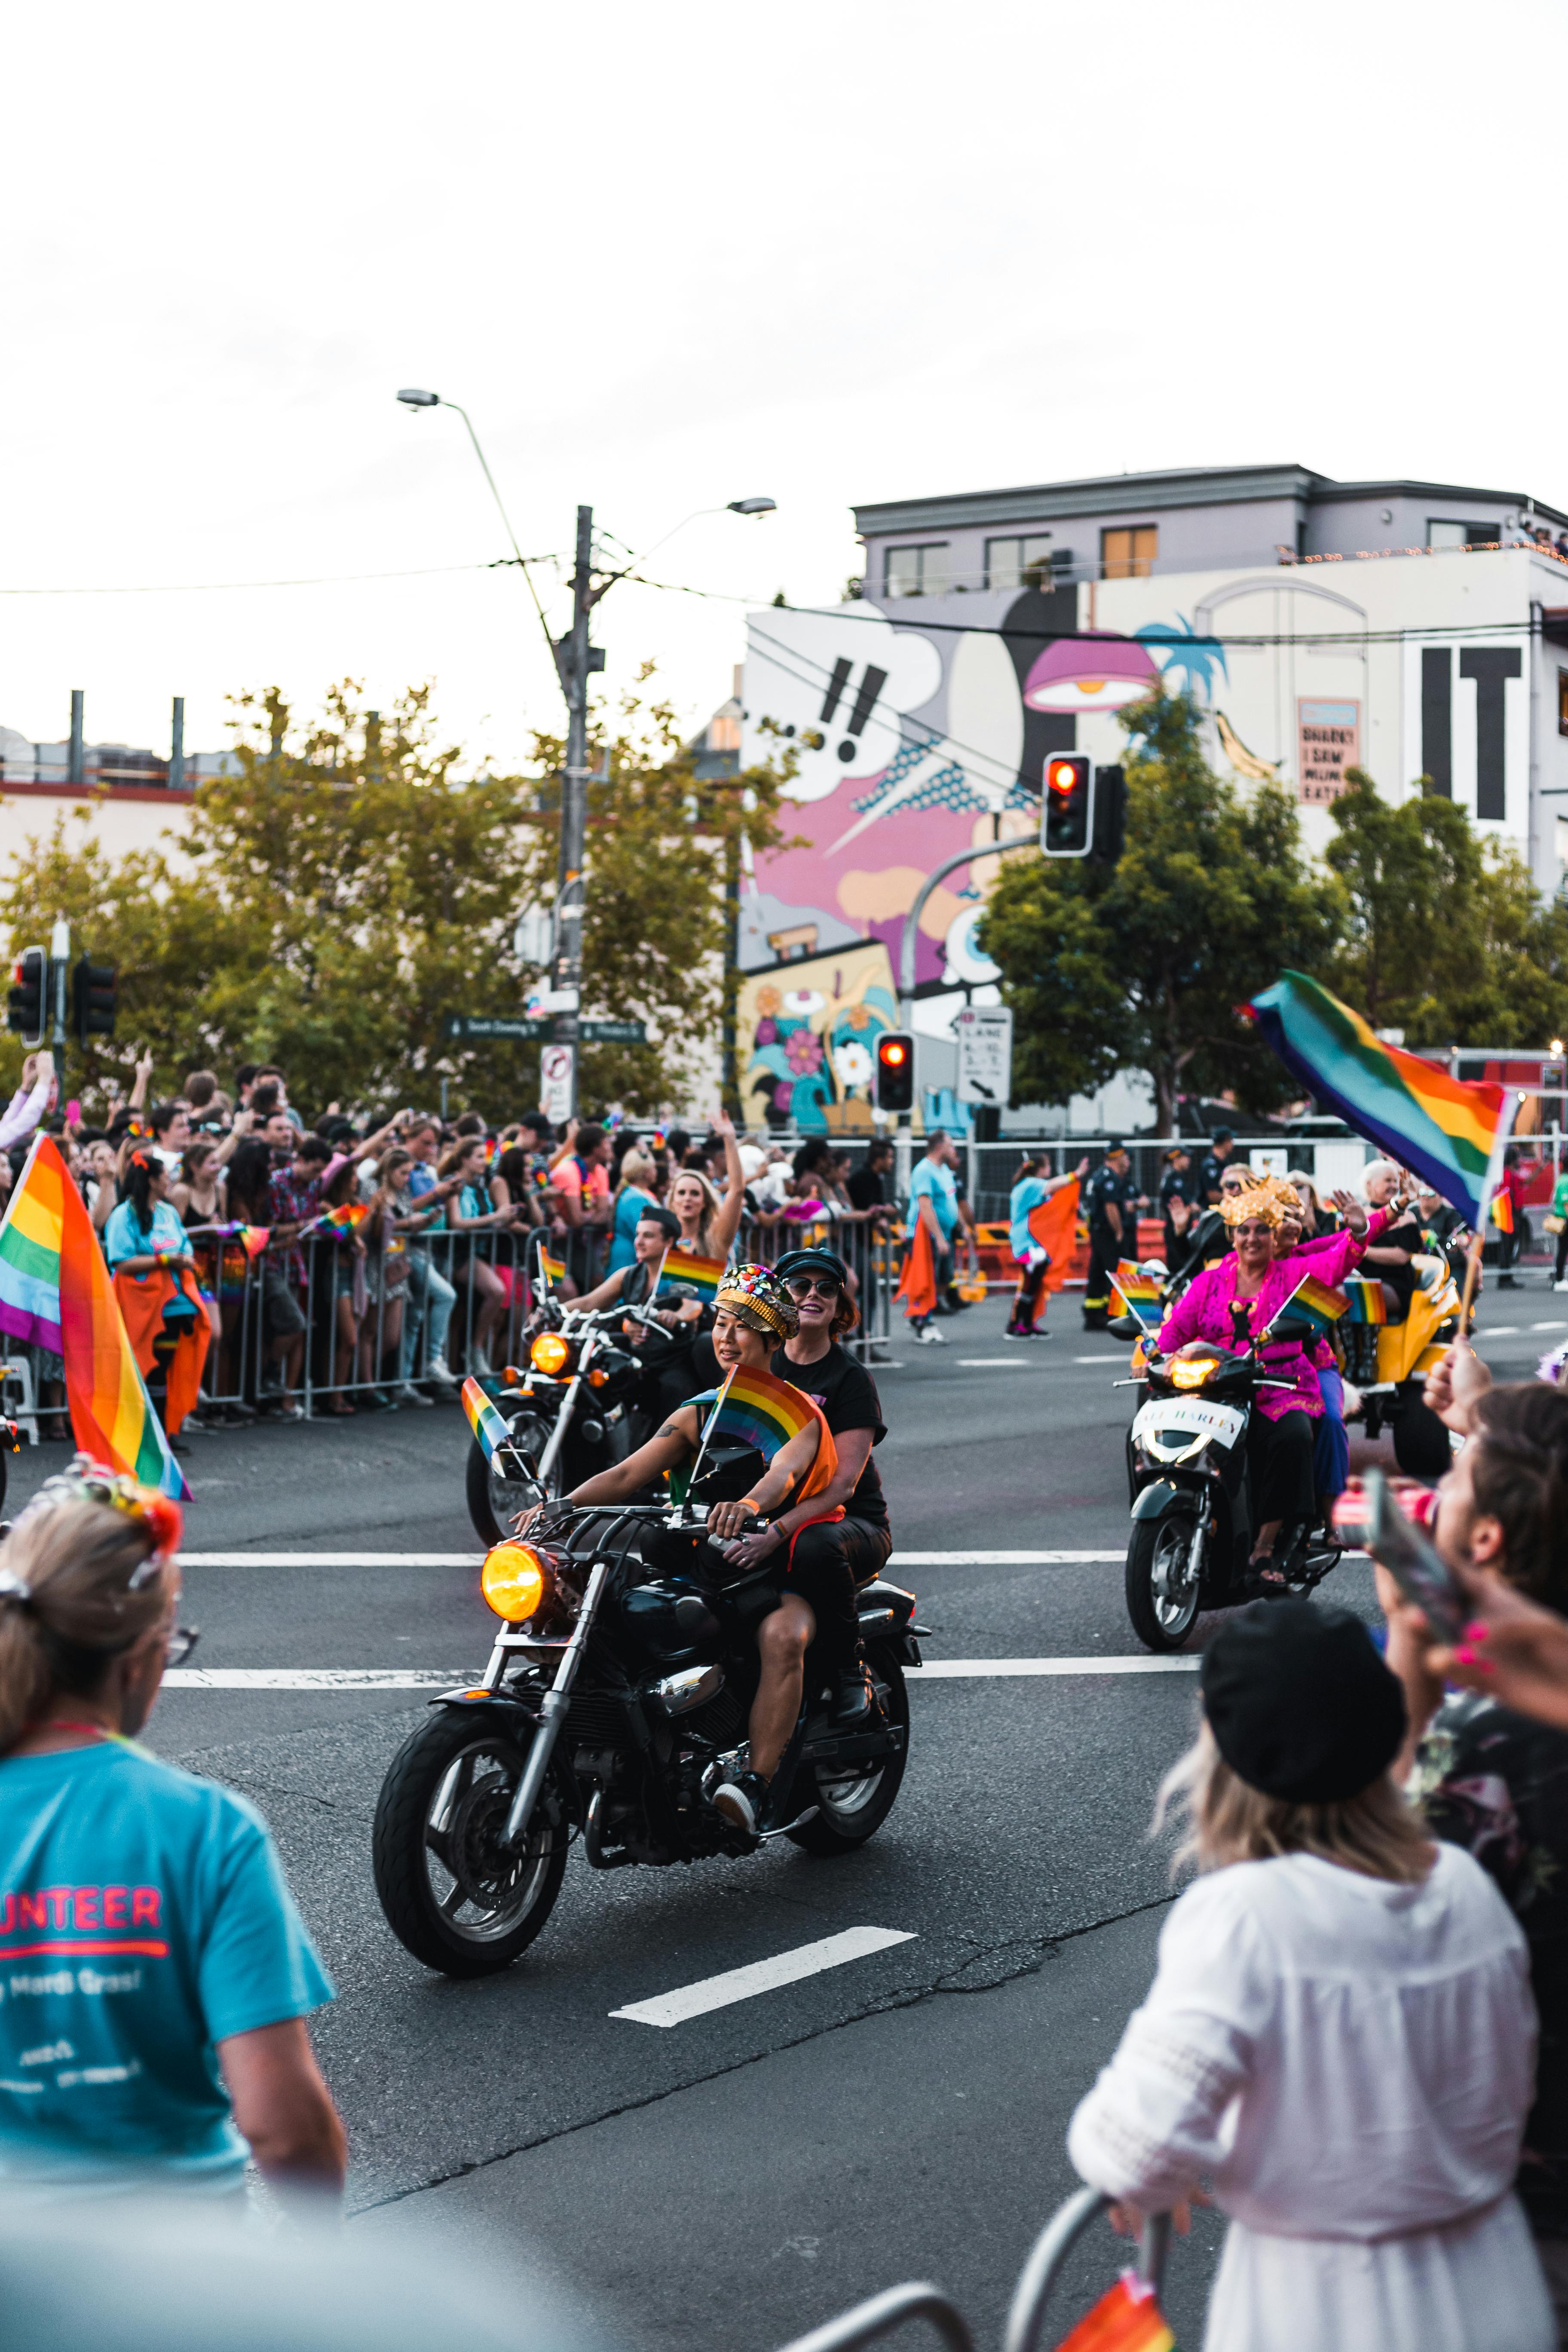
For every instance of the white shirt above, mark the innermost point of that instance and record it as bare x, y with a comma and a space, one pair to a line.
1348, 2058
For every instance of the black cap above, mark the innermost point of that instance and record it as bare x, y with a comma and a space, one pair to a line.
1300, 1704
813, 1261
1114, 1147
1223, 1135
650, 1212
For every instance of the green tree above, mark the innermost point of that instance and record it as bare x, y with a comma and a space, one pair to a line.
344, 892
1142, 965
1445, 935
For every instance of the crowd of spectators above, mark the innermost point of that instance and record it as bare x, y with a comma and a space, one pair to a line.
371, 1261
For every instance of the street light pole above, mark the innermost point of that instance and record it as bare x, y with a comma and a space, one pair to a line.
575, 660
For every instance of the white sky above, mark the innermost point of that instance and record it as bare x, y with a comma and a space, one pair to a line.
832, 252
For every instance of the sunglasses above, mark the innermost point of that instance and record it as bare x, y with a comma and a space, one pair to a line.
802, 1285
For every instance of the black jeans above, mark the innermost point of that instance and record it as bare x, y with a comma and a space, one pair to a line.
1280, 1458
827, 1563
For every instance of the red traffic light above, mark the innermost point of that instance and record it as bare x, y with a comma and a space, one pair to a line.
1064, 775
894, 1052
896, 1071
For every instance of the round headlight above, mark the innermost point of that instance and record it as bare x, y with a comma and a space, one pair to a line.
1192, 1371
514, 1581
550, 1352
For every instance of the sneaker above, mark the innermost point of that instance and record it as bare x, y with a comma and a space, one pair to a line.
928, 1335
287, 1410
1018, 1331
409, 1394
740, 1799
1560, 1285
439, 1374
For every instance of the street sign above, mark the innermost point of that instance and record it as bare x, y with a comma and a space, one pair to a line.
469, 1026
984, 1035
556, 1072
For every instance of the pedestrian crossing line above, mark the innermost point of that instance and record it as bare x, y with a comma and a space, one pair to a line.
394, 1678
944, 1669
667, 2009
952, 1558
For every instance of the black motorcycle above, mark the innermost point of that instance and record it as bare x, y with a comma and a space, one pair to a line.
616, 1698
1193, 1514
576, 1407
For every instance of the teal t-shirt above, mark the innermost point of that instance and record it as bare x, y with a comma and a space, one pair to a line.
1026, 1194
940, 1187
143, 1918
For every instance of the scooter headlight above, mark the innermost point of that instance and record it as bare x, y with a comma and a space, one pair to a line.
514, 1581
550, 1353
1192, 1371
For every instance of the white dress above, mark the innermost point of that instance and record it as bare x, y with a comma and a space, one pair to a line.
1350, 2062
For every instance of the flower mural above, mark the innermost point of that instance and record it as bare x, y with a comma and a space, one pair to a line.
814, 1044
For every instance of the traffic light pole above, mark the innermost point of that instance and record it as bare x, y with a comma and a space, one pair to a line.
903, 1141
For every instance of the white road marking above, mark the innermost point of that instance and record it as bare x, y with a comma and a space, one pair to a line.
1002, 1558
963, 1669
997, 1363
763, 1976
1118, 1363
331, 1559
393, 1678
1556, 1323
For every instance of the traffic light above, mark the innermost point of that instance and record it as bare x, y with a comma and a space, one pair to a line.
92, 1000
1067, 806
27, 1012
895, 1070
1109, 815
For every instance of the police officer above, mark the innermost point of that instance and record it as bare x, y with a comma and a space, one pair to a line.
1178, 1200
1112, 1199
1212, 1166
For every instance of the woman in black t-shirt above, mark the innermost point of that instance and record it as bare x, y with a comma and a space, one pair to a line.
816, 1279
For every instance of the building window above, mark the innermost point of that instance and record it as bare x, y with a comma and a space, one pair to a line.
916, 570
1019, 562
1562, 702
1129, 554
1463, 534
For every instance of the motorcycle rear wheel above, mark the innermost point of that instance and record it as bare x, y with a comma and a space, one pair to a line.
451, 1896
1161, 1619
850, 1807
493, 1503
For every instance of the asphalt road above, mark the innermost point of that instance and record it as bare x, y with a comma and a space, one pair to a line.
732, 2180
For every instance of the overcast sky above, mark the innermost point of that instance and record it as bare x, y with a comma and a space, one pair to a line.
671, 256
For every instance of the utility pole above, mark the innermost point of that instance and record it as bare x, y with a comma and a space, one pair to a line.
576, 661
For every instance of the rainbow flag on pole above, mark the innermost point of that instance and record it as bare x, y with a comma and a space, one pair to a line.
1450, 1134
1140, 1294
702, 1273
1313, 1306
1127, 2319
1367, 1304
252, 1239
54, 1289
486, 1423
754, 1409
553, 1270
1502, 1211
351, 1214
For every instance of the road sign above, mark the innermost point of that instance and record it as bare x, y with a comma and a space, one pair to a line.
984, 1035
556, 1072
614, 1032
470, 1026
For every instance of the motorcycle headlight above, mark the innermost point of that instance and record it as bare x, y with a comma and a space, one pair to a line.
514, 1581
1192, 1371
550, 1352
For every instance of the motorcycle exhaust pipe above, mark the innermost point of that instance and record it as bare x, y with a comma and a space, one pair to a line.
693, 1686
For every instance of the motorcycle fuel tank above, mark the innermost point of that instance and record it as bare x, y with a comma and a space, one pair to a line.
669, 1619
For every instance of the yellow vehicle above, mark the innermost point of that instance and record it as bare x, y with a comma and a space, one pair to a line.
1389, 1362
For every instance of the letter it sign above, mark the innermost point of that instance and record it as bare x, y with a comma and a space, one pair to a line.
1328, 741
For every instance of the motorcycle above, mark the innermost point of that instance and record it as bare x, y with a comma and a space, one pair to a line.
576, 1408
1193, 1515
615, 1697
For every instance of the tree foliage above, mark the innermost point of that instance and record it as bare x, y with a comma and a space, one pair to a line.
1444, 935
1141, 965
346, 890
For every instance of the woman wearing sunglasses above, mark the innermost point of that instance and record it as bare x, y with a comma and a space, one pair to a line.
1231, 1304
157, 1975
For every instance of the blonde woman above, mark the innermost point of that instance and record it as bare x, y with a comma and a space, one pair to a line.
1339, 2034
708, 1224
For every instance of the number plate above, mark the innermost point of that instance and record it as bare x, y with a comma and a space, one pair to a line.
1187, 1417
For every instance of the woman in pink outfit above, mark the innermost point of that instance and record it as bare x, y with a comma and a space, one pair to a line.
1230, 1305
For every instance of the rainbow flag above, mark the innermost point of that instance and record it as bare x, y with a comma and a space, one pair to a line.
1313, 1305
351, 1213
54, 1289
1502, 1211
1366, 1301
703, 1274
252, 1238
755, 1409
553, 1268
1140, 1294
1451, 1134
1127, 2319
485, 1421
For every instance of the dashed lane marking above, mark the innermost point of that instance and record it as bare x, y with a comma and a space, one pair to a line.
763, 1976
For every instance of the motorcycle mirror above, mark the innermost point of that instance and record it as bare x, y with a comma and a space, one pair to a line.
1125, 1326
681, 1290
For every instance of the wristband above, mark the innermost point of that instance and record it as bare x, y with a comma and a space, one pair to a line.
749, 1503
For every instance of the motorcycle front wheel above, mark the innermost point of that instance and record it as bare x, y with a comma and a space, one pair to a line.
495, 1501
1161, 1596
852, 1802
452, 1894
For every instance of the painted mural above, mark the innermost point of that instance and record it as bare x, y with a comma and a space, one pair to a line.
811, 1027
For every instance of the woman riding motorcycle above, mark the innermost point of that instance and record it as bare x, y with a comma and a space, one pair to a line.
1230, 1305
812, 1590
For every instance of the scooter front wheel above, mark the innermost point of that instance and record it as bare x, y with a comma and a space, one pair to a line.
1163, 1589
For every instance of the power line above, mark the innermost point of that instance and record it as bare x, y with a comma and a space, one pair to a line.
319, 579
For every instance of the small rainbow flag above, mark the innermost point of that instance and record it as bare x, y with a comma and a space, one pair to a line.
351, 1213
54, 1289
1140, 1294
253, 1239
485, 1421
1502, 1211
1127, 2319
702, 1273
755, 1409
1450, 1134
1365, 1300
1313, 1305
553, 1268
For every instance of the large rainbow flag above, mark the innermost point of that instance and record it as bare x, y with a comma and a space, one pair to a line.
1313, 1305
754, 1409
1450, 1134
703, 1274
55, 1290
489, 1426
